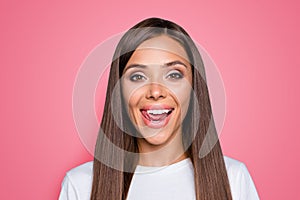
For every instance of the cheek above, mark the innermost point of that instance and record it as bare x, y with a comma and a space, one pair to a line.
181, 90
185, 100
127, 91
183, 97
131, 92
132, 102
132, 98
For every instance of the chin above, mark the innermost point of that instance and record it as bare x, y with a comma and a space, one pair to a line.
158, 139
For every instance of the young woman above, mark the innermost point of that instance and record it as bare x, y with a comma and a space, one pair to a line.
156, 121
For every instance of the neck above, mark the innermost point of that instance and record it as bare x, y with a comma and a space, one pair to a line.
161, 155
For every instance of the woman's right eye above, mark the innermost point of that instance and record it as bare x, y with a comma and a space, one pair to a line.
137, 77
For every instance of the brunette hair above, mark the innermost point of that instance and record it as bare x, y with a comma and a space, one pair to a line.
211, 180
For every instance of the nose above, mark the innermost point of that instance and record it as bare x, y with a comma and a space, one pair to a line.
156, 91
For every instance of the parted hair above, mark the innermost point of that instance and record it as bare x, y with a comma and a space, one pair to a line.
210, 176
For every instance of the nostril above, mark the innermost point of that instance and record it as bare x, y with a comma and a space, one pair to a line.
156, 96
156, 91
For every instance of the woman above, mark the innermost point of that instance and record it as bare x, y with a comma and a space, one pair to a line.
156, 117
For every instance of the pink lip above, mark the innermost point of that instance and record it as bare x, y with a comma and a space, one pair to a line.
156, 124
156, 107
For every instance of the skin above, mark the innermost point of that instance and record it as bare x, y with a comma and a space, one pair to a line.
158, 75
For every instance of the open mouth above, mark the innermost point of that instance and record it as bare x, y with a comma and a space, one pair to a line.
156, 118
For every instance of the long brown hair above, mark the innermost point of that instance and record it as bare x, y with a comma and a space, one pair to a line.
211, 180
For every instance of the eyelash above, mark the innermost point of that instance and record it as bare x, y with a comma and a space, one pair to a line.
173, 76
137, 77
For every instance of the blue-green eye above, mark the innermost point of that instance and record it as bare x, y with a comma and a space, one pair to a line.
175, 75
137, 77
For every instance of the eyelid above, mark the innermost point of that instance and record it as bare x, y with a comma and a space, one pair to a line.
130, 73
137, 73
179, 66
177, 72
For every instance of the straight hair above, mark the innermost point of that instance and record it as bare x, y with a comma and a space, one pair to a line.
210, 175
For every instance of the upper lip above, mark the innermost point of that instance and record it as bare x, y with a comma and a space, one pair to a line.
157, 107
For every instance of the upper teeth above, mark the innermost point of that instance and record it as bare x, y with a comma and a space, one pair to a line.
158, 112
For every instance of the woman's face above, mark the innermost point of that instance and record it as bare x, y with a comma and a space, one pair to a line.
156, 86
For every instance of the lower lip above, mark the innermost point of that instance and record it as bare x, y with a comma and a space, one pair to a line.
157, 124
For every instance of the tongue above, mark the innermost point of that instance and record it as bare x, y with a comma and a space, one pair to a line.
152, 117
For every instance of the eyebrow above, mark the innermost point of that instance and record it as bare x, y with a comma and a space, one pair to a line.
176, 62
169, 64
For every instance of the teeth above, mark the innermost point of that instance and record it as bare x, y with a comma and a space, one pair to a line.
158, 112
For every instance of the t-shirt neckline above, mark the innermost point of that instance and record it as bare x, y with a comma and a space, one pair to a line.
140, 169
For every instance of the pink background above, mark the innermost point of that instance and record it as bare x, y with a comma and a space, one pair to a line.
255, 45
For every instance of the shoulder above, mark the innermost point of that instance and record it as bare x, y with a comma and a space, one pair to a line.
240, 180
81, 175
236, 169
233, 165
85, 169
77, 182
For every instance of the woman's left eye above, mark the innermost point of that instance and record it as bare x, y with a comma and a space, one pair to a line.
175, 75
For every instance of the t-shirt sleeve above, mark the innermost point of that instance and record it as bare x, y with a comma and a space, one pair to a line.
247, 189
68, 191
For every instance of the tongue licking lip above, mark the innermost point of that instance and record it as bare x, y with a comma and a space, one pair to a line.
156, 120
155, 117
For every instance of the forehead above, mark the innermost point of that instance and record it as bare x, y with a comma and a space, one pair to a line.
159, 50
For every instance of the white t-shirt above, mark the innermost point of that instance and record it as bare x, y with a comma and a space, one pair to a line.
173, 182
